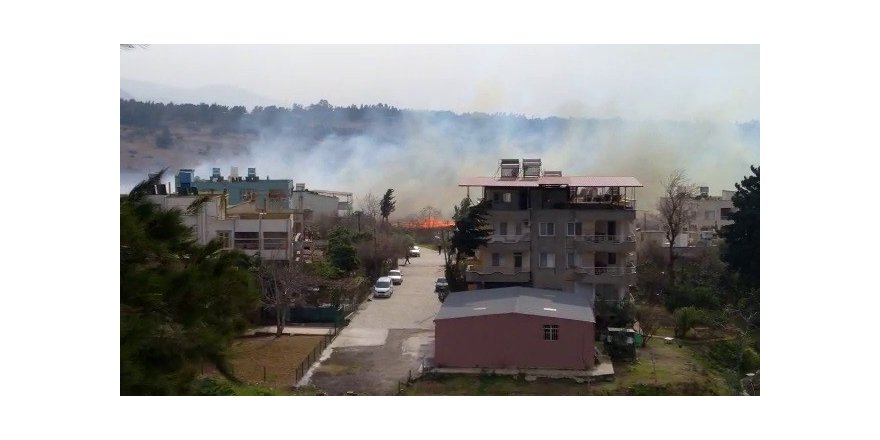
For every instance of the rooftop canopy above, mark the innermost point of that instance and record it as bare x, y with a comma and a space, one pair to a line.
578, 181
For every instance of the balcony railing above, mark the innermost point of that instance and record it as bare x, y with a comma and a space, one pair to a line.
497, 274
509, 238
606, 270
605, 238
597, 202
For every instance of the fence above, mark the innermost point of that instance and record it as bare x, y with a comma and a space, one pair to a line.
402, 385
315, 354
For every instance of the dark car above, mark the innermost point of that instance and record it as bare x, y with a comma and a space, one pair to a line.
441, 285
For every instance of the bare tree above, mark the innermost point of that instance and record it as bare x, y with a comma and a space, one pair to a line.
283, 286
675, 212
371, 206
430, 216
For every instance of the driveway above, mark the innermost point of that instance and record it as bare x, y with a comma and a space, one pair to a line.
387, 338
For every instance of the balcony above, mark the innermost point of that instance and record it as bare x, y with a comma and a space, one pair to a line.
604, 243
474, 274
597, 202
509, 238
607, 274
510, 242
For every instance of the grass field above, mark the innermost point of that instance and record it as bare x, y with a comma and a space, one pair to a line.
279, 356
674, 371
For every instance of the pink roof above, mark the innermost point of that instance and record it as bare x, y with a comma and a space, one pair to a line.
597, 181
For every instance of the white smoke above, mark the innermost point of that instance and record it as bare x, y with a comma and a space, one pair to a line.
426, 162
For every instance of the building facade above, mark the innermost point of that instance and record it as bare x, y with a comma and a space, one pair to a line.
276, 196
572, 233
270, 194
514, 327
269, 234
710, 214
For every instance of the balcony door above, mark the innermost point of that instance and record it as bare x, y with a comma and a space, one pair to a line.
517, 261
612, 228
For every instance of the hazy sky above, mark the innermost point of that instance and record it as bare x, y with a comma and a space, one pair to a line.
676, 82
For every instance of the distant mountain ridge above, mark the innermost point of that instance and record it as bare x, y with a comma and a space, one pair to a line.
212, 94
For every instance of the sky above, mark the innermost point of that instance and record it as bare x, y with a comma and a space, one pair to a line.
634, 82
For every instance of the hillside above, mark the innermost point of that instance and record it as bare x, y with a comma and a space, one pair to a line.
371, 148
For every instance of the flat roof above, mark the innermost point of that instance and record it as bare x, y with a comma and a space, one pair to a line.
593, 181
521, 300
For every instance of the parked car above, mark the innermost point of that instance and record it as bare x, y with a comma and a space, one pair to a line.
414, 251
383, 288
396, 276
441, 285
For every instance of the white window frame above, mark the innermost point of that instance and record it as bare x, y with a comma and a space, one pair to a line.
546, 231
225, 238
572, 227
547, 260
551, 332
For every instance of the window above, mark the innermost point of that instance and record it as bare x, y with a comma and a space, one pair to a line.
496, 197
725, 213
507, 197
574, 228
551, 332
547, 260
502, 228
247, 240
612, 258
518, 229
572, 259
274, 240
710, 215
546, 229
496, 259
224, 236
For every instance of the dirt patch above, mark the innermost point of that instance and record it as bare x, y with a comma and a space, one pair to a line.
373, 370
279, 357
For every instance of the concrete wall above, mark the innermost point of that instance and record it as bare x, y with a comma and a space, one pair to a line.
321, 206
512, 341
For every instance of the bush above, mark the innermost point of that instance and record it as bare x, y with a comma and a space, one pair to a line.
692, 296
687, 318
726, 353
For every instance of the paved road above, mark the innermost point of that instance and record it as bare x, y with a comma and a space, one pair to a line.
386, 338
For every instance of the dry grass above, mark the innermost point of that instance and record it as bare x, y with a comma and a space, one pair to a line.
675, 370
280, 357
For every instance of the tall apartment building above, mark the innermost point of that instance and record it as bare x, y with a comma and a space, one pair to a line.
571, 233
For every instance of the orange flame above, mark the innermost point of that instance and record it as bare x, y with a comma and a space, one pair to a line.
428, 223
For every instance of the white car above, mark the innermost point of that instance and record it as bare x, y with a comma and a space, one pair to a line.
396, 276
383, 288
415, 251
